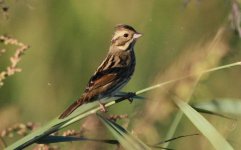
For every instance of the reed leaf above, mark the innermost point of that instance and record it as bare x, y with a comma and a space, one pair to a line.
128, 141
213, 136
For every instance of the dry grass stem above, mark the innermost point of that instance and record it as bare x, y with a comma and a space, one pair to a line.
15, 59
19, 129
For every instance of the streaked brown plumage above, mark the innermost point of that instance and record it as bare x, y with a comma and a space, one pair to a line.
114, 72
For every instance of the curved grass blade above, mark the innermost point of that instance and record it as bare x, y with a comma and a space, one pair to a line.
128, 141
53, 126
175, 138
205, 111
157, 145
228, 106
58, 139
213, 136
173, 127
57, 124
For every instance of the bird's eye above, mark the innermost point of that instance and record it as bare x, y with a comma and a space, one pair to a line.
126, 35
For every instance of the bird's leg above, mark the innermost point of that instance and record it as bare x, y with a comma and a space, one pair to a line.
102, 107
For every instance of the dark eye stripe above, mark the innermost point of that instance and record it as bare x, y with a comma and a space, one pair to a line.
121, 40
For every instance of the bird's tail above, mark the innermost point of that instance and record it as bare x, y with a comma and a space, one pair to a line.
71, 108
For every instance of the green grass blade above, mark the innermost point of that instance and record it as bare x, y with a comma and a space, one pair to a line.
228, 106
214, 137
175, 138
53, 126
128, 141
173, 128
57, 139
57, 124
205, 111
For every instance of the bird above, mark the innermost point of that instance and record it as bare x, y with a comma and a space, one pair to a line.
113, 73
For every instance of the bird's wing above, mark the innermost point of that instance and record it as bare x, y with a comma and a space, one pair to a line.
100, 84
110, 76
105, 82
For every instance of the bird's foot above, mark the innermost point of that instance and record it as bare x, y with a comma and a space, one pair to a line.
129, 96
102, 107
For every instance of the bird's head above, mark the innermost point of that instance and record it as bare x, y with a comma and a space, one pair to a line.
124, 37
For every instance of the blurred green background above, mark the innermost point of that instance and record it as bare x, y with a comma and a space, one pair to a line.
69, 39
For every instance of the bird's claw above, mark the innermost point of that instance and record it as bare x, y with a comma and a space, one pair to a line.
130, 100
130, 96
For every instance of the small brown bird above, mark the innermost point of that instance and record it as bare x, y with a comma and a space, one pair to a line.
114, 72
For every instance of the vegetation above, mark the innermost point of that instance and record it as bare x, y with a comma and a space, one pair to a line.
186, 81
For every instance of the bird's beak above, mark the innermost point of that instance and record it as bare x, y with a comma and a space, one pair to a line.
137, 35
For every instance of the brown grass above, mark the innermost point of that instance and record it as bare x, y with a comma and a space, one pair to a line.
14, 60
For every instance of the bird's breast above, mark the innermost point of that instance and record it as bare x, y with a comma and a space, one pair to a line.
126, 58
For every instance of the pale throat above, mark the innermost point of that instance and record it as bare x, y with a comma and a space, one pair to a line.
127, 46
